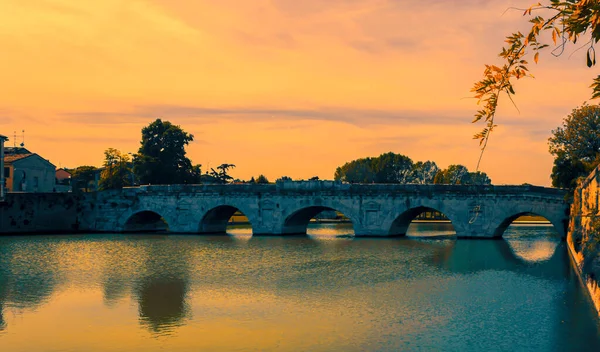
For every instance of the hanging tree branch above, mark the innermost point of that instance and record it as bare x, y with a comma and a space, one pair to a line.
570, 20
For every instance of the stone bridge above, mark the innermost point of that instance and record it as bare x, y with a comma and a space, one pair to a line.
285, 208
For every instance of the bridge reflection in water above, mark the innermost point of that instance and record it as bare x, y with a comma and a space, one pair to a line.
219, 291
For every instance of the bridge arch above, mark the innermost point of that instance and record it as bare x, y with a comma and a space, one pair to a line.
145, 221
216, 219
402, 221
296, 222
506, 219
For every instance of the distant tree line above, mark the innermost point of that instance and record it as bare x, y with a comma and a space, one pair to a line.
398, 168
161, 159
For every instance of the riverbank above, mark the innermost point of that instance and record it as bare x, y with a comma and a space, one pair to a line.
583, 235
590, 283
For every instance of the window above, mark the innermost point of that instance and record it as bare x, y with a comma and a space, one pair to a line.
6, 172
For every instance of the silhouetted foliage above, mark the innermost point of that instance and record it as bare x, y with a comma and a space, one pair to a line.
82, 177
262, 179
161, 158
196, 174
576, 146
220, 175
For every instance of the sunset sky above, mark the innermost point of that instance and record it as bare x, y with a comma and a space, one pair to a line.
278, 87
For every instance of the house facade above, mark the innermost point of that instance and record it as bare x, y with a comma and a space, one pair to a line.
63, 180
28, 172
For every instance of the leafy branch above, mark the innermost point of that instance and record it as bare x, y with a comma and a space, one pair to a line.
569, 21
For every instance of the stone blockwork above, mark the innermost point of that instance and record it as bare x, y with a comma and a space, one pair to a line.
41, 212
285, 208
584, 234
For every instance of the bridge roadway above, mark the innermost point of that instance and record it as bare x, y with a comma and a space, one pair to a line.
286, 207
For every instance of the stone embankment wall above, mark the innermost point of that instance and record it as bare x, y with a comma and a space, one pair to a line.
583, 237
41, 212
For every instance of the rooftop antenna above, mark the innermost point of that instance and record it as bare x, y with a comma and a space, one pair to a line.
23, 139
15, 139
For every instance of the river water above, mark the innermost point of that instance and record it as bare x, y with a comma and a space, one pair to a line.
324, 292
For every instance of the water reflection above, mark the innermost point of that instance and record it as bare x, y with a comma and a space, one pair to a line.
28, 275
534, 251
329, 230
161, 285
466, 257
532, 242
3, 283
429, 229
162, 303
151, 293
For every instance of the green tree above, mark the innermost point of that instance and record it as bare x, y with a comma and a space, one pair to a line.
262, 179
453, 175
161, 158
356, 171
386, 168
424, 172
565, 171
460, 175
479, 178
576, 146
82, 177
117, 171
392, 168
566, 21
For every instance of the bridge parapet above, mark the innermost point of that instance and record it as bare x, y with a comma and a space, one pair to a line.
286, 187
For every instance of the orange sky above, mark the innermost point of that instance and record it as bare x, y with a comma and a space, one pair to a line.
279, 87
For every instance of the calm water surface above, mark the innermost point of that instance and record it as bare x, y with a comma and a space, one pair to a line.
318, 293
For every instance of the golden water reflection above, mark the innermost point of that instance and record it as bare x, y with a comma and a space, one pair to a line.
150, 293
532, 242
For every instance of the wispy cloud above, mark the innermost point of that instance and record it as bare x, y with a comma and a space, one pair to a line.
357, 117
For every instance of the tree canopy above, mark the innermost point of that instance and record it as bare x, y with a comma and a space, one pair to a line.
220, 175
565, 21
398, 168
82, 177
262, 179
117, 171
161, 158
576, 146
460, 175
386, 168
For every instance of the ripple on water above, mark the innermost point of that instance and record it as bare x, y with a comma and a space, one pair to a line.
151, 293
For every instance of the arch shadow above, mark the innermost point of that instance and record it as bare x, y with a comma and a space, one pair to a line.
145, 221
501, 228
297, 222
400, 225
216, 220
468, 256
